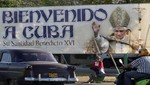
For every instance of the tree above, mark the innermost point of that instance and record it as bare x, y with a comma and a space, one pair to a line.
19, 3
35, 3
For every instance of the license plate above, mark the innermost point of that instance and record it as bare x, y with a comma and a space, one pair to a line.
52, 75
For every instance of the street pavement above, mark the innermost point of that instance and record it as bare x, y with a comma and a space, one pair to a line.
109, 80
103, 83
82, 75
82, 79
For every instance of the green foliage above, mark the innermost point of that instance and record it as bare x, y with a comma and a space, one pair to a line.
33, 3
19, 3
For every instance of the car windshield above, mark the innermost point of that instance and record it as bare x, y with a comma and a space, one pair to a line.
34, 56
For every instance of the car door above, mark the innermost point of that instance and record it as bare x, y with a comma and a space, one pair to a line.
9, 68
4, 64
16, 69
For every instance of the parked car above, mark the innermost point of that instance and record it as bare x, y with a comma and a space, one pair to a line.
30, 66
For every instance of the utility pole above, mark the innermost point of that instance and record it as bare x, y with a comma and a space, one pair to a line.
76, 2
140, 15
118, 1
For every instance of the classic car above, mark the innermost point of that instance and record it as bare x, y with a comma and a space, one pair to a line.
30, 66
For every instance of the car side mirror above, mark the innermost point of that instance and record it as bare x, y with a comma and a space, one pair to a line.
120, 61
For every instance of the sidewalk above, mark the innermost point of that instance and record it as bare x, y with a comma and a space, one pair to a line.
106, 79
82, 75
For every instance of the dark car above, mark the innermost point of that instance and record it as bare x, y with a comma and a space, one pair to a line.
30, 66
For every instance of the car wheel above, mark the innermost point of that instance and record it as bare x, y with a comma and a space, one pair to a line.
3, 80
13, 82
3, 83
60, 83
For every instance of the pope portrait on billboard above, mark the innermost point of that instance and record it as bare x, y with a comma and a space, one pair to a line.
119, 41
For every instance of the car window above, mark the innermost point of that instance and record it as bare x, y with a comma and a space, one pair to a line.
34, 56
6, 57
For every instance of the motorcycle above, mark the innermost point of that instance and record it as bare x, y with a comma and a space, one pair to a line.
139, 81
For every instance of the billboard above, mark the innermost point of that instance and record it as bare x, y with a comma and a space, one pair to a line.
77, 29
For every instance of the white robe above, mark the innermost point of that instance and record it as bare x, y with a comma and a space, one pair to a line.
116, 47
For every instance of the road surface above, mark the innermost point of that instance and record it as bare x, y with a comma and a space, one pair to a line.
107, 81
103, 83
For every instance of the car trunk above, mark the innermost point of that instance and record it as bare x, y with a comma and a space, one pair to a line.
49, 70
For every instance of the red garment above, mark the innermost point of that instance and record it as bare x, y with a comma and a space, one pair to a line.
98, 64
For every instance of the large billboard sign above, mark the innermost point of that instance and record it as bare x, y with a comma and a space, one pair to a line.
77, 29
